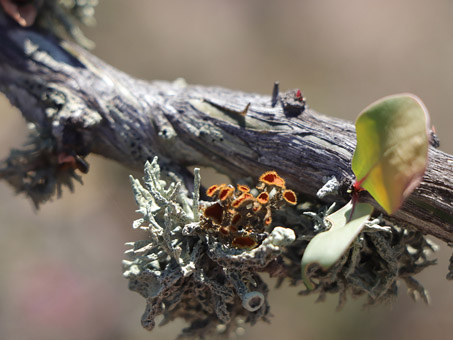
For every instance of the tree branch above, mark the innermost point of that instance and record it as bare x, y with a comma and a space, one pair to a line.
80, 105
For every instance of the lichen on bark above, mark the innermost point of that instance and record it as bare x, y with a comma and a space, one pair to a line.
187, 269
184, 271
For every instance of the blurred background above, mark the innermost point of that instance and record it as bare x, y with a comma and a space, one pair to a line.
61, 266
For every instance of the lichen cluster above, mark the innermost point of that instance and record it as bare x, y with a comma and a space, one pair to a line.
62, 17
241, 217
203, 261
382, 254
39, 169
184, 270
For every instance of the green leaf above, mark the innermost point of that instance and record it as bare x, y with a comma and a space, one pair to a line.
327, 247
392, 148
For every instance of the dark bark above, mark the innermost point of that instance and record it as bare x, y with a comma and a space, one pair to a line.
85, 106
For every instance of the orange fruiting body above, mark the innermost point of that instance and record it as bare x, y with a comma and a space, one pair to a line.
244, 198
272, 178
263, 197
244, 242
243, 188
238, 217
225, 193
290, 197
214, 212
213, 189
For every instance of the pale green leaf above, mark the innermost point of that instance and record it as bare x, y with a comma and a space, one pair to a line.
328, 247
392, 148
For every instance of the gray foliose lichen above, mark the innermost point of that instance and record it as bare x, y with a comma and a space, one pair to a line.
192, 268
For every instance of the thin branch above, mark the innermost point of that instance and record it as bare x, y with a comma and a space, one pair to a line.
80, 105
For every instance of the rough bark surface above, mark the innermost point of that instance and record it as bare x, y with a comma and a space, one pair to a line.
87, 106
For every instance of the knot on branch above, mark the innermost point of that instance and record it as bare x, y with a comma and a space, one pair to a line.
293, 102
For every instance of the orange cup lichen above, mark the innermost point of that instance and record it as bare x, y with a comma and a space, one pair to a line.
243, 188
290, 197
272, 178
214, 212
238, 216
213, 189
225, 193
243, 199
263, 198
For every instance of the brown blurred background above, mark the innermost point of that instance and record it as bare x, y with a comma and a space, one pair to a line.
61, 267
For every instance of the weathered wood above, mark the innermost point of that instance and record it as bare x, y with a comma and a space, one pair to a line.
86, 106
